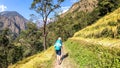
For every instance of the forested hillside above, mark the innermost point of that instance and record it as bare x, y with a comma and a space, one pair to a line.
26, 44
66, 26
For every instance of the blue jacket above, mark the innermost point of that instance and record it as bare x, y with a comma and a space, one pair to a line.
58, 44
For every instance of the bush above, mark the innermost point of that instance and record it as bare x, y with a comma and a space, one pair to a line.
107, 33
112, 23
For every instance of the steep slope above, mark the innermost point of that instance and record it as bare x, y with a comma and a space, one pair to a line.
106, 30
40, 60
76, 18
98, 45
80, 15
91, 55
12, 20
111, 21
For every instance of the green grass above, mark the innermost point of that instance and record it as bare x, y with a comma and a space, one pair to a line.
105, 31
88, 55
98, 45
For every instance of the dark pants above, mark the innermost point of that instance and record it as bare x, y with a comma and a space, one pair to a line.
58, 52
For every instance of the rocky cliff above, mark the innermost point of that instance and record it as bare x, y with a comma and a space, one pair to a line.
82, 5
12, 20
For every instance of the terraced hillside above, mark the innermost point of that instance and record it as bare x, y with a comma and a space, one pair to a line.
105, 31
98, 45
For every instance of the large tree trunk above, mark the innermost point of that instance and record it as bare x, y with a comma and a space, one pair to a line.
45, 36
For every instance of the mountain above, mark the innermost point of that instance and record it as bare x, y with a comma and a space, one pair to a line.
82, 5
12, 20
80, 15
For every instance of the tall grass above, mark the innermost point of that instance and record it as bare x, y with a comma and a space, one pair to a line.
88, 55
108, 26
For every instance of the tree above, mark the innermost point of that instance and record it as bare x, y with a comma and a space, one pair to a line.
44, 8
107, 6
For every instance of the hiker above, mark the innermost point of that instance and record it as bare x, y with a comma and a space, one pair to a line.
58, 47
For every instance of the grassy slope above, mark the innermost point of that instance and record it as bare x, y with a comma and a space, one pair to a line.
105, 31
85, 46
88, 55
41, 60
101, 24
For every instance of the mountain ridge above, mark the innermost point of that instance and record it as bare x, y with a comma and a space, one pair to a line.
12, 20
82, 5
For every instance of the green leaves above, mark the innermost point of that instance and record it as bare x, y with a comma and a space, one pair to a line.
44, 8
106, 6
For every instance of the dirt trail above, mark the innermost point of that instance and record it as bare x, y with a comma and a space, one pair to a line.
66, 63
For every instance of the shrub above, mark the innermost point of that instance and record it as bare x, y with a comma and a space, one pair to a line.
112, 23
107, 33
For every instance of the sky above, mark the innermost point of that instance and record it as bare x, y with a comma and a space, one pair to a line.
23, 6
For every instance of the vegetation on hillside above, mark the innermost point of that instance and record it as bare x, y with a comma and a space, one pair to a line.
107, 6
106, 27
88, 55
40, 60
44, 8
30, 40
66, 26
13, 50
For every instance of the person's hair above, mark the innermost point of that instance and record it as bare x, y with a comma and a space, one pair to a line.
59, 38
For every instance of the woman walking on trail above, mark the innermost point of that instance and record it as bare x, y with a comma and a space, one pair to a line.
58, 46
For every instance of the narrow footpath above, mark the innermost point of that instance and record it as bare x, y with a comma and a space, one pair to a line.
66, 62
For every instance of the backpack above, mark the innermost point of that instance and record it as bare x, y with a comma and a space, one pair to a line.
58, 45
